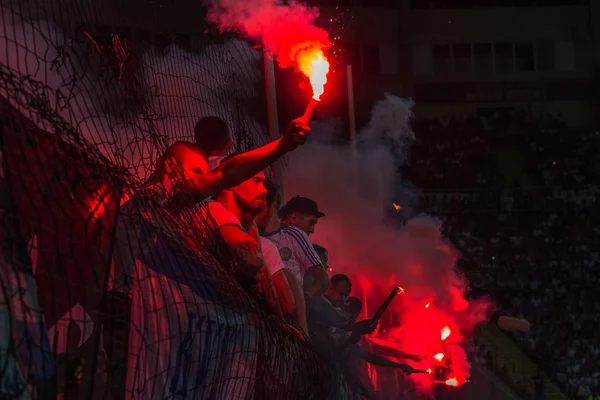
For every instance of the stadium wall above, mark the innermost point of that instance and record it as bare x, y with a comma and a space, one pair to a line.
538, 59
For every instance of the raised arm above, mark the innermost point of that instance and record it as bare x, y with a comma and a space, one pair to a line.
244, 166
393, 352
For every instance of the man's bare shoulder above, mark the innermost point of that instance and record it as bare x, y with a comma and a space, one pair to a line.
182, 149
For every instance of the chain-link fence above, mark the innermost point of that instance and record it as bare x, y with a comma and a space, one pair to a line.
103, 292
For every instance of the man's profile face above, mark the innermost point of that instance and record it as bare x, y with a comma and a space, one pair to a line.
339, 293
250, 195
304, 222
184, 162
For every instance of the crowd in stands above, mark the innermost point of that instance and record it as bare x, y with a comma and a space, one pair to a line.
529, 239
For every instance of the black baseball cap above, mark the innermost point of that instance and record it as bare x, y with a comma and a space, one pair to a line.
303, 205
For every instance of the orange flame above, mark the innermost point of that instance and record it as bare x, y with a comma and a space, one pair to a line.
439, 357
314, 64
429, 370
446, 332
396, 206
452, 382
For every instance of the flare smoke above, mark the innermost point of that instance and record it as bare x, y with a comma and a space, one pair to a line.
287, 30
177, 88
361, 243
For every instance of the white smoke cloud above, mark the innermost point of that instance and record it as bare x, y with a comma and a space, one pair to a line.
356, 195
185, 87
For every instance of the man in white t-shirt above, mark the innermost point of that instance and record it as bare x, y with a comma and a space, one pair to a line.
230, 221
231, 218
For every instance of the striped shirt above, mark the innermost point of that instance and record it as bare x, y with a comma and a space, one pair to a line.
295, 249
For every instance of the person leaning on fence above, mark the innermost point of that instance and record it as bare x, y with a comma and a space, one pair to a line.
181, 179
230, 217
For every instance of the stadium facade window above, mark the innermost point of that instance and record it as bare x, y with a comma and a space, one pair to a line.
463, 58
483, 58
503, 57
524, 57
381, 3
371, 59
341, 2
492, 3
544, 54
442, 59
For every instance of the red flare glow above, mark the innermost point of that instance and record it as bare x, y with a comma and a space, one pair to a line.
427, 305
439, 357
452, 382
315, 66
446, 332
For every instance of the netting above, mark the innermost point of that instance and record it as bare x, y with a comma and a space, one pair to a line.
103, 292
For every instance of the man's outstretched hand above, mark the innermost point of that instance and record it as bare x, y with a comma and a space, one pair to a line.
295, 135
407, 369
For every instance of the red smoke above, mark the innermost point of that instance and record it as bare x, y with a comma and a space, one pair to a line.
287, 30
426, 322
351, 190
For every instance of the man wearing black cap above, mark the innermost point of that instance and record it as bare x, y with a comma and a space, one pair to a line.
300, 215
301, 212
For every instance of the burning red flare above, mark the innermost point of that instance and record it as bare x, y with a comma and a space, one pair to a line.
439, 357
315, 66
452, 382
427, 305
446, 332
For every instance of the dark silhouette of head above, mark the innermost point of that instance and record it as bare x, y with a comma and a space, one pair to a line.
212, 135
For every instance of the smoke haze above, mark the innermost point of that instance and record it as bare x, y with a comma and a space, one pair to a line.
356, 196
175, 87
355, 193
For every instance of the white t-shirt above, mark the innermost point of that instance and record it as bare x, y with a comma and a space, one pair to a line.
223, 217
214, 216
271, 256
295, 249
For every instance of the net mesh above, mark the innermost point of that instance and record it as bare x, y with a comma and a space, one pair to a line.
103, 292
